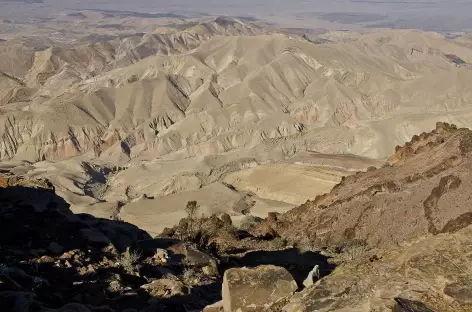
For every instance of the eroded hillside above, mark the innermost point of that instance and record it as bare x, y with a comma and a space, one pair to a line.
227, 85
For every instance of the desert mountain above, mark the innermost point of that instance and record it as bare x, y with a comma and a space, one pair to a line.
36, 60
196, 92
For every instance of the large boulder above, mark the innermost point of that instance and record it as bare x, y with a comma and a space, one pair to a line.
254, 289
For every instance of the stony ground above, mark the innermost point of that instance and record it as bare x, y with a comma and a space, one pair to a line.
53, 259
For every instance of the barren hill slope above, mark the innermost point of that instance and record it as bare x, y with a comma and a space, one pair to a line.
37, 60
422, 191
239, 92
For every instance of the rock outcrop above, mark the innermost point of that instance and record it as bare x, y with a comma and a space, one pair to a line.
218, 234
433, 272
256, 289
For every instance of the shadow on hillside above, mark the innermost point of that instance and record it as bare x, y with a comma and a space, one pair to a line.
298, 263
35, 222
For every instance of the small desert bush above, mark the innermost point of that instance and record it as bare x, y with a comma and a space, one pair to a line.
193, 221
129, 259
192, 275
356, 249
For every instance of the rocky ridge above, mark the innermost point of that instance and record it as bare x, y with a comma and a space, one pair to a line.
423, 186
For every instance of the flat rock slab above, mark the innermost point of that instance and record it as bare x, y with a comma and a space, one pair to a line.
253, 289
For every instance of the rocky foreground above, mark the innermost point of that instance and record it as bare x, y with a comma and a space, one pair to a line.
396, 238
54, 260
